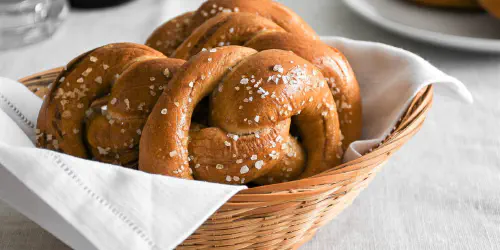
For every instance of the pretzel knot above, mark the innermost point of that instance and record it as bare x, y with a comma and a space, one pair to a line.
98, 105
258, 26
254, 98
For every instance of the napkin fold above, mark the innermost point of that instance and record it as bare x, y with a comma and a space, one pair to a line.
92, 205
389, 78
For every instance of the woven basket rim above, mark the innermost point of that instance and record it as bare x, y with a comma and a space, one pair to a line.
293, 190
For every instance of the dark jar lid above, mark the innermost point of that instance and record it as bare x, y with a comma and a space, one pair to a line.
91, 4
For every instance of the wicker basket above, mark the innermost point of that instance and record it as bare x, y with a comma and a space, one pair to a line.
286, 215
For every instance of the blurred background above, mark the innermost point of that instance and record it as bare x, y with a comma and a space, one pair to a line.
460, 42
67, 28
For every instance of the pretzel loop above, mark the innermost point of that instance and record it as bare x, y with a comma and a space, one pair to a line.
97, 106
253, 97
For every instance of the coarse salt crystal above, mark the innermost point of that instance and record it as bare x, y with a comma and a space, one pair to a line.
166, 72
244, 169
87, 72
103, 151
278, 68
127, 102
98, 79
259, 164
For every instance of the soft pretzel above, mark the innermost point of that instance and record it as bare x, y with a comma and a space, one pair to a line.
97, 106
261, 34
334, 67
253, 97
492, 6
169, 36
226, 114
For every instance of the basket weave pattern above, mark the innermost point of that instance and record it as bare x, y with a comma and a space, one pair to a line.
286, 215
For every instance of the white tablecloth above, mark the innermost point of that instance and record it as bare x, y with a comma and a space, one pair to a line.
440, 191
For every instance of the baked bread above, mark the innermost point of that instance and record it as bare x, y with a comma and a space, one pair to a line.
262, 33
226, 115
460, 4
492, 6
97, 106
253, 97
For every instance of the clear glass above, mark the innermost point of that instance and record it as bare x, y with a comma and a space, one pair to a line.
24, 22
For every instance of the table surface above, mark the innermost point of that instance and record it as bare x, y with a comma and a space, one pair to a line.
440, 191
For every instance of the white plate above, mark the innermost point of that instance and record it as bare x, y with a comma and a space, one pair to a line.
469, 30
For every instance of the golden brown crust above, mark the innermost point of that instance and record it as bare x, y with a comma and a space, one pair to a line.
261, 34
253, 96
334, 67
226, 114
169, 35
131, 100
215, 154
289, 168
163, 146
116, 77
225, 29
274, 11
492, 6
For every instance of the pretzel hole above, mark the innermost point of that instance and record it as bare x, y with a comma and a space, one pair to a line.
201, 112
294, 131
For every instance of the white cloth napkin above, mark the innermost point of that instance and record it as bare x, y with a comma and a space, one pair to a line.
91, 205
